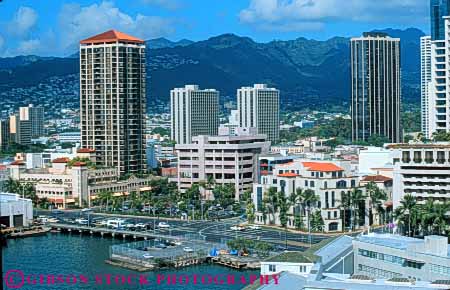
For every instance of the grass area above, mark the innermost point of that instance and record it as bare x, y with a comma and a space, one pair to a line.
315, 247
290, 257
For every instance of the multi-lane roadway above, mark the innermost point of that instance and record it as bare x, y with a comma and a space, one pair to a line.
212, 231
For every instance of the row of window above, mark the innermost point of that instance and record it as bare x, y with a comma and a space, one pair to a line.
377, 273
440, 269
390, 259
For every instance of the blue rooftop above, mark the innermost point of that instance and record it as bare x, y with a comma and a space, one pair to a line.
389, 240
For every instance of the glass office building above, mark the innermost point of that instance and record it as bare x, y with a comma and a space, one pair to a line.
438, 9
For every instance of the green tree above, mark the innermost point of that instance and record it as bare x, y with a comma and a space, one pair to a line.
283, 206
407, 212
308, 200
224, 194
377, 198
105, 197
441, 136
317, 223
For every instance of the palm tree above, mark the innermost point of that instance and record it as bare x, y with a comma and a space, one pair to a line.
117, 202
345, 205
12, 186
283, 205
272, 198
427, 215
308, 200
44, 203
356, 198
105, 197
406, 210
440, 218
293, 202
377, 197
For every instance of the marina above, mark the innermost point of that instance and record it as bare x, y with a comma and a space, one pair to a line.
67, 254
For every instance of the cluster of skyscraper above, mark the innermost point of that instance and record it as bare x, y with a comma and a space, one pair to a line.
435, 92
113, 104
21, 127
196, 112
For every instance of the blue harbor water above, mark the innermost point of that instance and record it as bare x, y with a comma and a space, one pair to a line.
64, 254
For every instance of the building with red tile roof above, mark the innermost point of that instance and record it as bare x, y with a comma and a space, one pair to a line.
322, 166
376, 178
61, 160
329, 180
111, 36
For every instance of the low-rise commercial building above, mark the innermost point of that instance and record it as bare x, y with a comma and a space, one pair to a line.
292, 262
391, 256
15, 211
68, 183
227, 159
329, 180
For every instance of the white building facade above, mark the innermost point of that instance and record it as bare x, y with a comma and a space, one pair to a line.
329, 180
193, 112
259, 107
227, 159
425, 83
439, 104
15, 211
421, 170
389, 256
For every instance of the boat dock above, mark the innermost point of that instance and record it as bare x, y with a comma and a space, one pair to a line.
102, 231
26, 232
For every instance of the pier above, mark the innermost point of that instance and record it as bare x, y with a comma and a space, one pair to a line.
102, 231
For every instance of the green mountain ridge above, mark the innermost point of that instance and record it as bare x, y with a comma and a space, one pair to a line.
307, 72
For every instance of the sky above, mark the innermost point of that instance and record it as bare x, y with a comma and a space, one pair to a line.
56, 27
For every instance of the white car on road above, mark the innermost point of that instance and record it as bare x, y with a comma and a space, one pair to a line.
163, 225
237, 228
82, 221
188, 249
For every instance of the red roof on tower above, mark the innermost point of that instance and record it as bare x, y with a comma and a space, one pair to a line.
111, 36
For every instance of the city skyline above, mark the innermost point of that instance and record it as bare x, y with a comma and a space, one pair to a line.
28, 29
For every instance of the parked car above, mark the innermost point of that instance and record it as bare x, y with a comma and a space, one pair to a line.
160, 246
140, 226
130, 227
188, 249
163, 225
147, 256
115, 223
237, 228
82, 221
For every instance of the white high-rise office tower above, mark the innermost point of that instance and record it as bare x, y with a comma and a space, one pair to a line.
113, 100
36, 116
376, 90
425, 80
194, 112
259, 107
